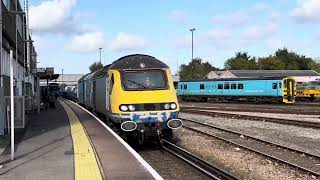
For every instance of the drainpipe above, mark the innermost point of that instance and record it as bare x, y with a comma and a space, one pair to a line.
2, 103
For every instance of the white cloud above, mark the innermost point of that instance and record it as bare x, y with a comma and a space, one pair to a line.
53, 16
306, 11
178, 16
87, 42
126, 42
274, 44
234, 19
183, 42
259, 6
219, 34
259, 32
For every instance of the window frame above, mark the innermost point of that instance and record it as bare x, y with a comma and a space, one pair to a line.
220, 86
240, 86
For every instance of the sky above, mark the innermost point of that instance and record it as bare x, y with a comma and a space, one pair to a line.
69, 33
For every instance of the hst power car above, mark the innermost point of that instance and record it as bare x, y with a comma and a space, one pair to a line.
135, 92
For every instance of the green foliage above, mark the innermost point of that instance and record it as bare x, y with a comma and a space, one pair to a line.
95, 66
242, 61
283, 59
196, 69
270, 63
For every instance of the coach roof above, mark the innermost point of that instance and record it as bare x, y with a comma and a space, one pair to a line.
137, 61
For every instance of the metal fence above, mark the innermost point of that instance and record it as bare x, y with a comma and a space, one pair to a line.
19, 111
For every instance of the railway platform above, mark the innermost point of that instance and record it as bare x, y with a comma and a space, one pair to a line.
71, 143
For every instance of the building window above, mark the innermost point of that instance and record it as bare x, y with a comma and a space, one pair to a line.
226, 86
240, 86
201, 86
220, 86
233, 86
274, 86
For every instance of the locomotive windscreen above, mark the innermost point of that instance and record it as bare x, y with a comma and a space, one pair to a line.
144, 80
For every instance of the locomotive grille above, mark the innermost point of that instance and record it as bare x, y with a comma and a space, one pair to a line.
150, 107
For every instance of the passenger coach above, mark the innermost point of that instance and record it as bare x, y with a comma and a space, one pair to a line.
135, 92
257, 89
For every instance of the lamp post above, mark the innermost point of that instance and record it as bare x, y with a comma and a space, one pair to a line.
100, 49
192, 30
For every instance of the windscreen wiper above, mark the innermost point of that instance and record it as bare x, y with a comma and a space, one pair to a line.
138, 84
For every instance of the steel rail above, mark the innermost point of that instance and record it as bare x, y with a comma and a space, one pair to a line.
203, 166
253, 150
308, 124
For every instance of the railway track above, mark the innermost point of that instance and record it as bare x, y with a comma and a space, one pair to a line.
304, 161
177, 163
205, 111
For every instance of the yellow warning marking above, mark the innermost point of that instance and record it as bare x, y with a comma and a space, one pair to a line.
85, 162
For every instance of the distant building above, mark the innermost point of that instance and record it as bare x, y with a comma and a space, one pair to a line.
299, 75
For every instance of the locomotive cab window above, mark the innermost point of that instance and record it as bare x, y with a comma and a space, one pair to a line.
233, 86
201, 86
240, 86
144, 80
220, 86
274, 86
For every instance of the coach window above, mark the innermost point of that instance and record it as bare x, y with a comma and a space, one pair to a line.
274, 86
226, 86
185, 86
280, 85
240, 86
233, 86
220, 86
181, 86
201, 86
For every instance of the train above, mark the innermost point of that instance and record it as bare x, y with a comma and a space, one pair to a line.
309, 90
273, 89
136, 93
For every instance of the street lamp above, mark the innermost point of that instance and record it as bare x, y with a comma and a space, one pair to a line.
193, 29
100, 49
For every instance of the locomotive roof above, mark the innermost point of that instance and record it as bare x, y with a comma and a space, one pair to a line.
237, 79
137, 61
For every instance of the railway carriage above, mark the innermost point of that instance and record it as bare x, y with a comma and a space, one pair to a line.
135, 92
265, 89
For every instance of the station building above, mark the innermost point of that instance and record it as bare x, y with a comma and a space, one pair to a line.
14, 37
300, 76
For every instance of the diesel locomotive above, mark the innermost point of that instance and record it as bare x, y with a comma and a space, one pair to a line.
276, 89
135, 92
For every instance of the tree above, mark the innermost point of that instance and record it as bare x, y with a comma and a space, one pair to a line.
293, 60
95, 66
270, 63
196, 69
314, 66
242, 61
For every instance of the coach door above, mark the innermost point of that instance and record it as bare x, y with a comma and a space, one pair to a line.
94, 87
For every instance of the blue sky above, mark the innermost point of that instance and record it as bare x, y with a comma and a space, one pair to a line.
68, 33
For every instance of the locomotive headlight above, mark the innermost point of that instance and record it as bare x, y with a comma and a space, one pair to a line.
124, 108
131, 107
173, 106
167, 106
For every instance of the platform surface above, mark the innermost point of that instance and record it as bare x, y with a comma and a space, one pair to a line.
69, 143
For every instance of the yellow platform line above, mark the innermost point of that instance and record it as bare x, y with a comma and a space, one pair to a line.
85, 162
